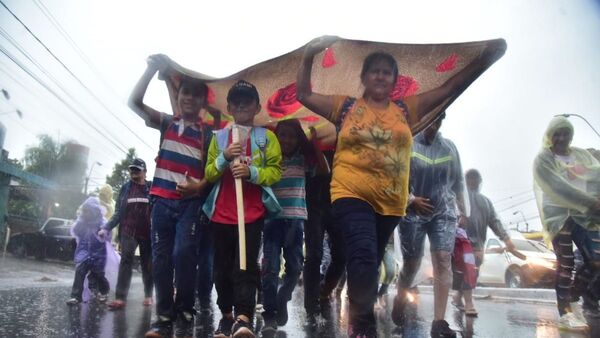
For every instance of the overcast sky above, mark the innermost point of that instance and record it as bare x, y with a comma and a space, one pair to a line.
552, 66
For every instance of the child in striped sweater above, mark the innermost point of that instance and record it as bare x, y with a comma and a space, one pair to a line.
285, 231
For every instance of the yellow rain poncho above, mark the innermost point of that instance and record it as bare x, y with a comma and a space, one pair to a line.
568, 188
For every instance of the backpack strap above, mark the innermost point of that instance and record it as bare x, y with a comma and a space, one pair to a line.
346, 108
259, 135
222, 138
402, 106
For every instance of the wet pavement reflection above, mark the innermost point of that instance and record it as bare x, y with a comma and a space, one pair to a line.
40, 311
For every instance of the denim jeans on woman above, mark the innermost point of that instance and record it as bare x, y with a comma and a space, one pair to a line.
366, 235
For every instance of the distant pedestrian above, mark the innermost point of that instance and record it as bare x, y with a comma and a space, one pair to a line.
132, 215
482, 215
90, 254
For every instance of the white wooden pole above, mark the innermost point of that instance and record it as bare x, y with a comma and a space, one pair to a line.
239, 197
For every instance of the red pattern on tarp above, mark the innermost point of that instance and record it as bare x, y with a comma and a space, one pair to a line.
448, 64
405, 86
283, 102
328, 59
310, 118
210, 96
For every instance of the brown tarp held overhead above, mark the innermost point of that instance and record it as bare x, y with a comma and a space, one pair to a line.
336, 71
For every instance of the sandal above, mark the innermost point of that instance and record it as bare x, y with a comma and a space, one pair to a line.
471, 312
116, 304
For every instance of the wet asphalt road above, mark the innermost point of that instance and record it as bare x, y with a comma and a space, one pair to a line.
35, 307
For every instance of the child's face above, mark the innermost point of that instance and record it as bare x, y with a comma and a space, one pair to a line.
190, 100
288, 139
243, 109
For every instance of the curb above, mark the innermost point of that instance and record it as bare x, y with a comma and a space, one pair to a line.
532, 296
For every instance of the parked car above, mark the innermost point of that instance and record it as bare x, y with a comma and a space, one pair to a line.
502, 268
53, 240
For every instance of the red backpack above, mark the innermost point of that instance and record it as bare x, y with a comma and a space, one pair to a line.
463, 260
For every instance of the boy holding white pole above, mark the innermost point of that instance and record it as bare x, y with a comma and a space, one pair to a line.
255, 162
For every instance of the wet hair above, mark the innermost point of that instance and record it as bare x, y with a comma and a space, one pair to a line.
379, 56
198, 86
304, 145
474, 173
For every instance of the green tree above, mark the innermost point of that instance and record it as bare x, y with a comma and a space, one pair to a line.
62, 162
120, 173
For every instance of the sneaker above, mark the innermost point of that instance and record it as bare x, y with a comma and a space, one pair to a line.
326, 308
116, 304
361, 332
224, 329
205, 306
102, 298
282, 311
242, 329
570, 322
398, 310
184, 325
311, 320
270, 326
577, 311
73, 301
160, 329
441, 329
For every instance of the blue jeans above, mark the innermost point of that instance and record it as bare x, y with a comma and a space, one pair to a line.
176, 231
278, 235
206, 256
366, 235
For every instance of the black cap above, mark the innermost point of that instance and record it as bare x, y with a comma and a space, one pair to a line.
243, 88
138, 163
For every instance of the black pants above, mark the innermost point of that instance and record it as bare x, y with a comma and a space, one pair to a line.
366, 235
319, 221
236, 289
96, 280
128, 246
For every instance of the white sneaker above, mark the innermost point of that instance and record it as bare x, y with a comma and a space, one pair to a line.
570, 322
578, 311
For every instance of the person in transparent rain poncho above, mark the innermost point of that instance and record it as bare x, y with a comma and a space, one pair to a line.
436, 204
567, 188
94, 257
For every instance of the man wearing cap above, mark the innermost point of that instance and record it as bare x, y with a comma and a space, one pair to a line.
133, 215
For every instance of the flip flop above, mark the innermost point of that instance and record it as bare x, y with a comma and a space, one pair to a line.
471, 312
116, 305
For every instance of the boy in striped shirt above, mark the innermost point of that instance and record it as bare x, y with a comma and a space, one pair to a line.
176, 223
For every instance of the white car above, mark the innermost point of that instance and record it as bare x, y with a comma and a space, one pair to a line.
502, 268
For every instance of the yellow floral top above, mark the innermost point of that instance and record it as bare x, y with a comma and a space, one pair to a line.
372, 158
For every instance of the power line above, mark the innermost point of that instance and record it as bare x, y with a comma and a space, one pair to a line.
104, 150
516, 205
52, 78
90, 92
43, 84
512, 196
